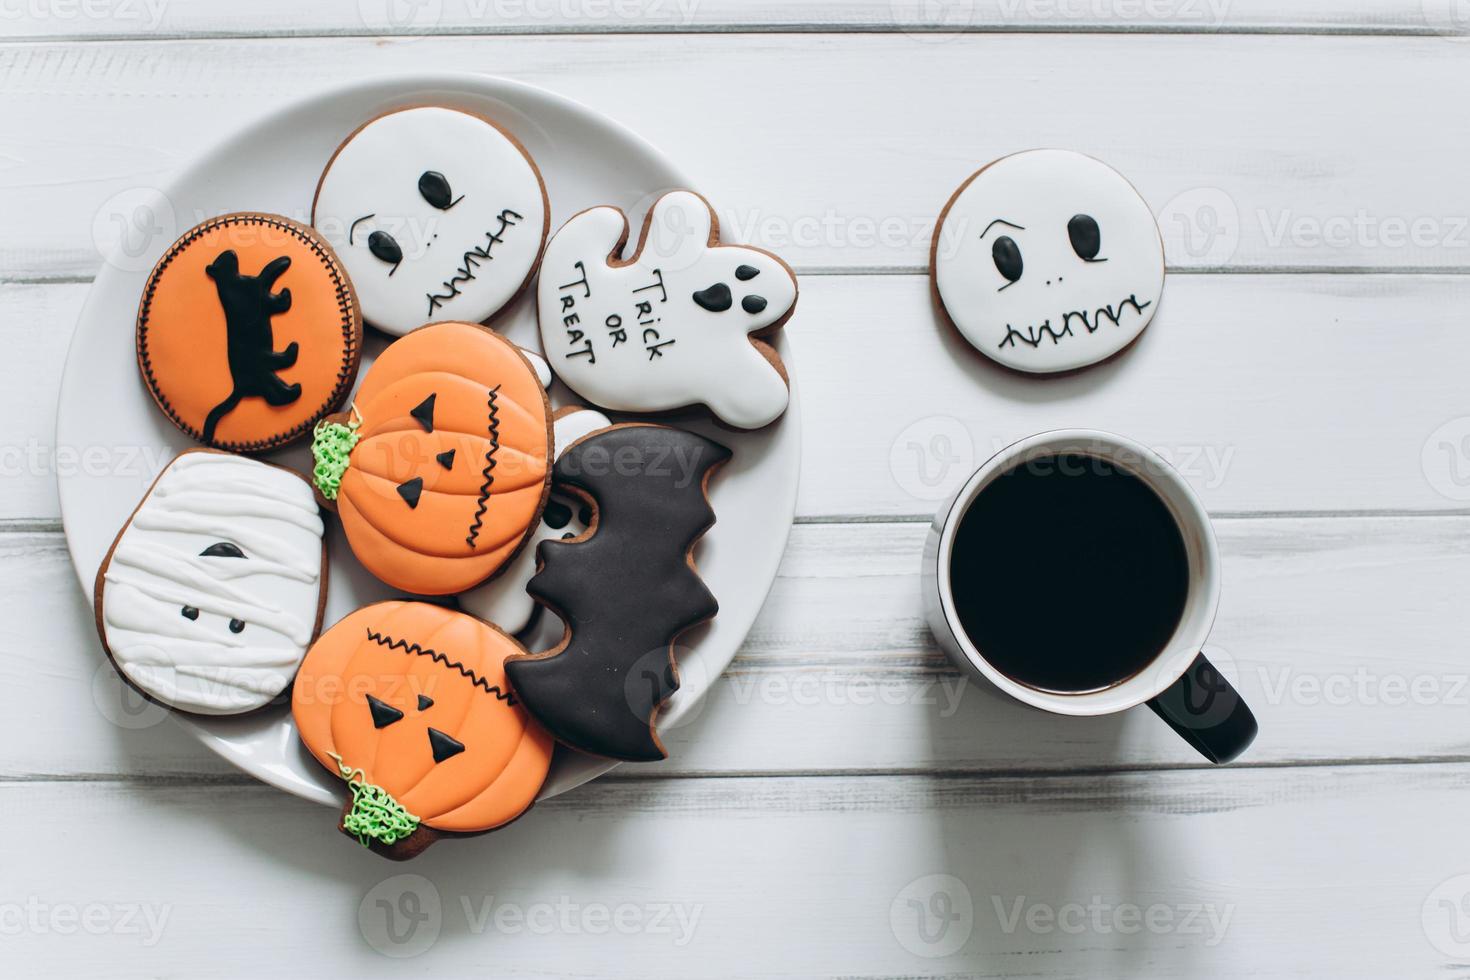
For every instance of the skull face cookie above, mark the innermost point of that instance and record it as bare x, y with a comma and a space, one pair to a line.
437, 215
214, 588
1048, 261
675, 325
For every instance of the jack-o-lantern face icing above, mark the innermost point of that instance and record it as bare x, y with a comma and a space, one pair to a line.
440, 469
408, 702
438, 215
676, 325
248, 332
1048, 261
626, 589
214, 588
504, 600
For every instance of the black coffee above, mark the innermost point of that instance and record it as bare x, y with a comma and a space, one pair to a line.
1069, 575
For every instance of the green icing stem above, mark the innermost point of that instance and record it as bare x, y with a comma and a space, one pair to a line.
375, 814
331, 450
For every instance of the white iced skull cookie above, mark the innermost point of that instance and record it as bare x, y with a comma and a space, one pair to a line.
1048, 260
437, 214
504, 600
676, 325
213, 590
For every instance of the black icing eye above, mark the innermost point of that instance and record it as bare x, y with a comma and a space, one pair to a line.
384, 714
1007, 256
385, 248
745, 273
585, 515
189, 612
753, 304
237, 625
557, 515
222, 549
434, 187
443, 746
1086, 237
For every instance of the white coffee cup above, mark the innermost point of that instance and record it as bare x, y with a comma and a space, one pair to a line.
1179, 684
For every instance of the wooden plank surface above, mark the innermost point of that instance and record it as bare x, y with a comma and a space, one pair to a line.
1270, 393
845, 804
282, 18
1255, 152
1338, 631
1279, 873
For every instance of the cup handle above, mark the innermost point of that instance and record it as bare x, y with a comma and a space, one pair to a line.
1207, 712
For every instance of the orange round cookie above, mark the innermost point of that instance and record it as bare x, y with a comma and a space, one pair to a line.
409, 704
248, 332
440, 470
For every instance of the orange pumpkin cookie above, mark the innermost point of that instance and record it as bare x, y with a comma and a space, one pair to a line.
440, 470
408, 703
248, 332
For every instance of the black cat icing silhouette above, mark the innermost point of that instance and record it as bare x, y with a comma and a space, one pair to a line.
249, 304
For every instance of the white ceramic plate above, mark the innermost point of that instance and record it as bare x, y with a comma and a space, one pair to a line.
273, 165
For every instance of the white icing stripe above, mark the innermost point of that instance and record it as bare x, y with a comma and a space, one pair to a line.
201, 662
670, 329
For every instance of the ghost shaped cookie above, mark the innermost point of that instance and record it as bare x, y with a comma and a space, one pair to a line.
1048, 261
214, 588
676, 325
437, 214
504, 600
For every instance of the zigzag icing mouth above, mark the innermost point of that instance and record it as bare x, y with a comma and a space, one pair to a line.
413, 649
471, 260
1034, 335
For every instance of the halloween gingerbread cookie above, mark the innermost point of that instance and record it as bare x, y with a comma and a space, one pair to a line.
438, 215
214, 588
248, 332
678, 324
504, 600
408, 703
1048, 261
440, 469
626, 589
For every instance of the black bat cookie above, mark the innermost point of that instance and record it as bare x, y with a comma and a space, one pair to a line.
626, 589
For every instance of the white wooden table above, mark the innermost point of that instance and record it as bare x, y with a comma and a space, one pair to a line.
843, 804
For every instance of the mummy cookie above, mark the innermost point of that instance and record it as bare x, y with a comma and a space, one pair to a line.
248, 332
626, 589
214, 588
440, 469
1048, 261
408, 703
675, 325
504, 600
438, 215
